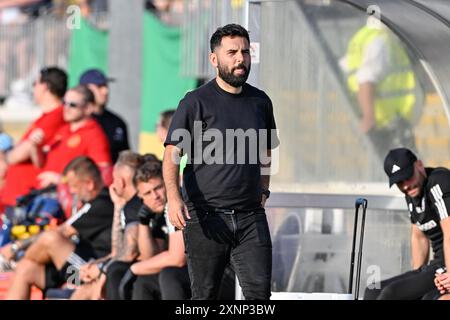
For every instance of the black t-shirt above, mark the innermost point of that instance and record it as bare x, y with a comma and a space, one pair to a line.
116, 131
159, 228
433, 206
93, 223
130, 211
223, 179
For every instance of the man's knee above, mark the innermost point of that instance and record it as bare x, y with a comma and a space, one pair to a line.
168, 275
174, 283
26, 270
390, 292
51, 238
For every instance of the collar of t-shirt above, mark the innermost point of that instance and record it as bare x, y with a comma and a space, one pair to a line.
229, 94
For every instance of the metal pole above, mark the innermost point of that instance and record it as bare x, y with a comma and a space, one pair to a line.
361, 238
125, 63
352, 256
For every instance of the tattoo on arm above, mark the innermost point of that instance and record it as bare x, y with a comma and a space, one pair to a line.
117, 236
129, 250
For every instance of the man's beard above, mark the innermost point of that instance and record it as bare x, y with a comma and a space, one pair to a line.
230, 78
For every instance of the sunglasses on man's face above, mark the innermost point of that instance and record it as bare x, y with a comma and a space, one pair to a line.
71, 104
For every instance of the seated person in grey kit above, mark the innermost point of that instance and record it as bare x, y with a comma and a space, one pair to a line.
56, 255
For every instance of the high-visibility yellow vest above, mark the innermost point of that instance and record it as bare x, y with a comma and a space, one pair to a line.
395, 94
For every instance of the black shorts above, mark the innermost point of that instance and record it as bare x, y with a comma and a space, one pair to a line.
55, 278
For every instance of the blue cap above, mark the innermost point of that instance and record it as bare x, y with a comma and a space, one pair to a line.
94, 76
6, 142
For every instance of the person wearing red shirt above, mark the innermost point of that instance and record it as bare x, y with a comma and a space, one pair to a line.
81, 136
17, 171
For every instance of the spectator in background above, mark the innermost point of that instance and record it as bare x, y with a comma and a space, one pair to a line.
162, 127
46, 262
81, 136
113, 125
383, 83
16, 168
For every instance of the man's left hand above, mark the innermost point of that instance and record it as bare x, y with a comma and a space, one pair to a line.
442, 282
263, 200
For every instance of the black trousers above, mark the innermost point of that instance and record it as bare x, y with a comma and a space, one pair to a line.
412, 285
147, 288
114, 274
214, 239
174, 283
171, 283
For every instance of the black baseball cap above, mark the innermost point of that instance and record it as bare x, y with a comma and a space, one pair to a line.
94, 76
399, 165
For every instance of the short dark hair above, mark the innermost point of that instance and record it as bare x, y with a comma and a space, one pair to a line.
166, 118
55, 79
149, 170
84, 167
230, 30
88, 96
148, 157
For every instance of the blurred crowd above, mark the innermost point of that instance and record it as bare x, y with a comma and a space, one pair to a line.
20, 11
21, 43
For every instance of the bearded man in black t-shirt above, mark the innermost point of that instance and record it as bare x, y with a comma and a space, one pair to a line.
427, 194
57, 255
227, 130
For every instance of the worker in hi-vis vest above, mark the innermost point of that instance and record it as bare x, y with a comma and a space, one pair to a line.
381, 79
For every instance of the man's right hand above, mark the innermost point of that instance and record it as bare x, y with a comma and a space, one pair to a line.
177, 212
89, 272
116, 199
